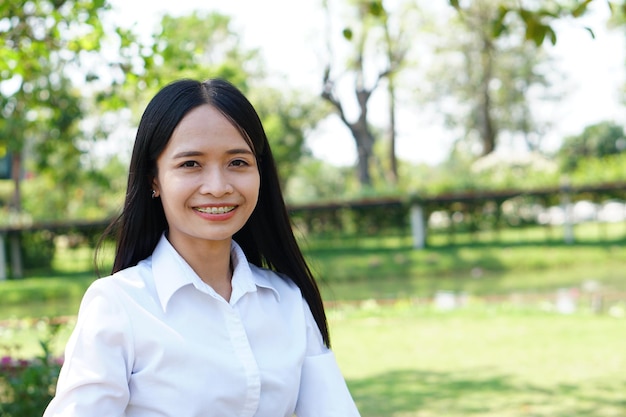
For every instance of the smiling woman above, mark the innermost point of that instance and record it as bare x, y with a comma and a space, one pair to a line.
208, 181
211, 309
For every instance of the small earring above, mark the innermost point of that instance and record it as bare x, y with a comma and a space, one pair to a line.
154, 194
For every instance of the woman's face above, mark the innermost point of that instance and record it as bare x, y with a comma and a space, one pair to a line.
207, 179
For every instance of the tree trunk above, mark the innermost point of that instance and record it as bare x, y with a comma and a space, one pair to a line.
393, 161
359, 129
486, 124
487, 131
365, 151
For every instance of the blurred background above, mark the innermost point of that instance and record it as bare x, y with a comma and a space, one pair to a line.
455, 172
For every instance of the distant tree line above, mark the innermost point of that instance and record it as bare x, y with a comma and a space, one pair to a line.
70, 76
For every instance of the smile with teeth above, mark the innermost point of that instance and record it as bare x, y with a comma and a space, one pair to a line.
215, 210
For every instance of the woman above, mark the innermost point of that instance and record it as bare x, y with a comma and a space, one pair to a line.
211, 309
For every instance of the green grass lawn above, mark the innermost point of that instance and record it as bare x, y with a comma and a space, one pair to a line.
385, 267
411, 360
506, 353
406, 361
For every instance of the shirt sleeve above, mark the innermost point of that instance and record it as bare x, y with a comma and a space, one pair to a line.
94, 377
323, 389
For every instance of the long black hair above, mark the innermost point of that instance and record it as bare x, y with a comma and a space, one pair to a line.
267, 238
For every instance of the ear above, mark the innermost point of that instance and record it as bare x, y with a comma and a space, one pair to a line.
156, 189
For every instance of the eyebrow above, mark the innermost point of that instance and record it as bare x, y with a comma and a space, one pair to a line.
235, 151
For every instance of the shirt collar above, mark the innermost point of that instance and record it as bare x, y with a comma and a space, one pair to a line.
171, 273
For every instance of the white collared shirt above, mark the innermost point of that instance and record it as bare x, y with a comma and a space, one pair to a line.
155, 340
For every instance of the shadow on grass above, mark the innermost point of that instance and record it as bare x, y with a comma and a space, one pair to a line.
475, 393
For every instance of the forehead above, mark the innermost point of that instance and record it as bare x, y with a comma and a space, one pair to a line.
205, 126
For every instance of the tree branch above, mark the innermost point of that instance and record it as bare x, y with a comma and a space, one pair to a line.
329, 95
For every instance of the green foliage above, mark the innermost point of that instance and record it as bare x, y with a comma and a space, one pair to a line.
6, 189
44, 40
287, 118
203, 45
37, 249
462, 173
199, 45
314, 180
43, 110
596, 141
95, 194
375, 39
39, 41
538, 21
618, 12
607, 169
482, 81
27, 385
335, 221
44, 45
515, 171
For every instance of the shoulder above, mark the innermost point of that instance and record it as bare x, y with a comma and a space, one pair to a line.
128, 282
129, 277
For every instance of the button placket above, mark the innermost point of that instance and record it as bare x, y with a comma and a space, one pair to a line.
243, 350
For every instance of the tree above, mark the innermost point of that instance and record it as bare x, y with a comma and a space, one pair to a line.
366, 35
202, 45
287, 117
538, 18
396, 48
43, 47
198, 45
314, 180
483, 83
595, 141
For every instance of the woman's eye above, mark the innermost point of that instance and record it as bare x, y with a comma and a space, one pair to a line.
189, 164
239, 163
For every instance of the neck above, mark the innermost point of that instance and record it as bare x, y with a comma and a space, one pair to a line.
211, 262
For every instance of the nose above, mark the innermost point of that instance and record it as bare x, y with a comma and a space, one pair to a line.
215, 182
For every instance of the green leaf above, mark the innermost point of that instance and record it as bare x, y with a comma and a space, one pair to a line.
376, 8
347, 33
539, 34
581, 8
552, 35
498, 26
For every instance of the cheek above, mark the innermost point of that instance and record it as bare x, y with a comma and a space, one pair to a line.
173, 191
255, 187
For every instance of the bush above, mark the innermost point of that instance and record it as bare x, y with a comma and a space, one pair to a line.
37, 249
27, 386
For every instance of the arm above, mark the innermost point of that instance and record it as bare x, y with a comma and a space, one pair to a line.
323, 390
98, 358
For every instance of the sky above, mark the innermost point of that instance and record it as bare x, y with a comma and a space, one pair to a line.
290, 36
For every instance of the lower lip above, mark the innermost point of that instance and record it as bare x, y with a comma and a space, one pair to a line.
216, 217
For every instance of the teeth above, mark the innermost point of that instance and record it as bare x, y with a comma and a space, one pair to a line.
215, 210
